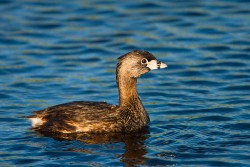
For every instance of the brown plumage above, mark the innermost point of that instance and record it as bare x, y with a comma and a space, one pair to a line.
100, 117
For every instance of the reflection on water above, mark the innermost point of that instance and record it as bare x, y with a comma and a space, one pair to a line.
55, 52
134, 144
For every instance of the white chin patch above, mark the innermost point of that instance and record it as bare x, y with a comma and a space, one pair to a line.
153, 65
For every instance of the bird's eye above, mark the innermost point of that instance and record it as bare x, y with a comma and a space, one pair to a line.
144, 61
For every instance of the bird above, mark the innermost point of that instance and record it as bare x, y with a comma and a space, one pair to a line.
100, 117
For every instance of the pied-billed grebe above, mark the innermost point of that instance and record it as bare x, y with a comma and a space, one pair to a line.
100, 117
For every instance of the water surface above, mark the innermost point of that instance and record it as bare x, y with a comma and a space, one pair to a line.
54, 52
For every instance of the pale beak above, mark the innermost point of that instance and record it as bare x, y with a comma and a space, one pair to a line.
154, 64
161, 65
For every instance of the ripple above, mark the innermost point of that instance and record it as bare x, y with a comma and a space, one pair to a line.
238, 126
190, 73
4, 96
213, 118
6, 41
210, 31
216, 48
4, 2
236, 88
237, 56
36, 35
192, 14
202, 82
144, 5
203, 111
240, 42
45, 25
171, 49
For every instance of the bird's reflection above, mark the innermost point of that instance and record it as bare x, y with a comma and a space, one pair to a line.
134, 144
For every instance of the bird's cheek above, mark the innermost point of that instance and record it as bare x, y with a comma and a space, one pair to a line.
145, 70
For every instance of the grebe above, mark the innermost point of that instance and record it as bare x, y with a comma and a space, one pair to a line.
100, 117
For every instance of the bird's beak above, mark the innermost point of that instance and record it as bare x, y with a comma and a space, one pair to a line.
154, 64
161, 65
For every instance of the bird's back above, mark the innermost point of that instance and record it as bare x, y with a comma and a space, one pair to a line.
93, 117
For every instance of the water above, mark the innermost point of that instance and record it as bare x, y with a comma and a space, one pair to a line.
54, 52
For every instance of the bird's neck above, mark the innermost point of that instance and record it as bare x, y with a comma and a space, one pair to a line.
128, 95
129, 101
127, 92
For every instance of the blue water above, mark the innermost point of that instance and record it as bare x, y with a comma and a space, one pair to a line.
52, 52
